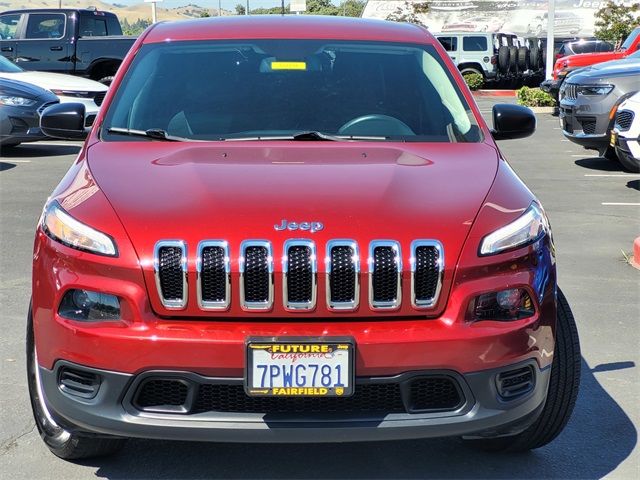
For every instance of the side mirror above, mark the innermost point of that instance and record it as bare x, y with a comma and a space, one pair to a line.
64, 120
512, 121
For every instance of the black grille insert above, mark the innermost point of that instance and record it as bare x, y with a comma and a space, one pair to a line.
256, 274
78, 382
514, 383
213, 275
160, 394
624, 119
342, 280
170, 273
300, 274
426, 275
418, 394
385, 274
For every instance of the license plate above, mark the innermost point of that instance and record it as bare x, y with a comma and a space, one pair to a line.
614, 139
300, 367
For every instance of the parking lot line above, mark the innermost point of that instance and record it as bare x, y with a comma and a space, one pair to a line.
19, 161
621, 203
630, 175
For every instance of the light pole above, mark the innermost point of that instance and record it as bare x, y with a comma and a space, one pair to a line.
551, 23
154, 13
219, 8
246, 12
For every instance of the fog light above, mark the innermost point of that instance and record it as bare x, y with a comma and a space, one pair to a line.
504, 305
88, 306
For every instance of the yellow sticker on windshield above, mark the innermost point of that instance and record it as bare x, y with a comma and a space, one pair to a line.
288, 65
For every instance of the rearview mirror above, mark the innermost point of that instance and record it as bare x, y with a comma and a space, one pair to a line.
512, 121
64, 120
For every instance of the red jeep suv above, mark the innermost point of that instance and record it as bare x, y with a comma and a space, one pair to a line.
295, 229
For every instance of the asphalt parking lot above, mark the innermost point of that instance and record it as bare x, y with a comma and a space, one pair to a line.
594, 208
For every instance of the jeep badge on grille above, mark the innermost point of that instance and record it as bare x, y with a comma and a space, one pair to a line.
307, 226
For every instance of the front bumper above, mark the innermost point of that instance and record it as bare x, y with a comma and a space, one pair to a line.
483, 414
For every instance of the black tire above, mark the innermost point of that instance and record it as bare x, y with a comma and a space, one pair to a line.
534, 58
9, 145
513, 59
106, 80
503, 59
62, 443
610, 154
629, 162
523, 58
561, 397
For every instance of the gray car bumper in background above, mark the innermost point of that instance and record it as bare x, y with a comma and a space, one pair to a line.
483, 413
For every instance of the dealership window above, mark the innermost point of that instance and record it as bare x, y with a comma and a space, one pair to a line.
450, 44
474, 44
45, 25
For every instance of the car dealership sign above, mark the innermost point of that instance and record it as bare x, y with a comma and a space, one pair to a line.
574, 18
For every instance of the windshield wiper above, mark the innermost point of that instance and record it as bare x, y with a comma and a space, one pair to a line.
155, 133
311, 135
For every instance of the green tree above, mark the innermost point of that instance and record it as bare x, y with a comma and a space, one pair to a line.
240, 9
614, 22
351, 8
204, 14
321, 7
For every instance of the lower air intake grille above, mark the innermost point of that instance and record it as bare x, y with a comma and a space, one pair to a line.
588, 125
383, 398
624, 119
514, 383
214, 275
342, 279
437, 393
162, 394
170, 271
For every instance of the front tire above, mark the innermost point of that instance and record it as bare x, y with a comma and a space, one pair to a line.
629, 162
62, 443
561, 397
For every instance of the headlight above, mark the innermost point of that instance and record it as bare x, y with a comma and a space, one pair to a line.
594, 89
62, 227
16, 101
531, 226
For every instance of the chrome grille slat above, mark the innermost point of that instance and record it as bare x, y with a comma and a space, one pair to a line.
213, 275
299, 275
256, 275
427, 271
385, 275
170, 270
342, 264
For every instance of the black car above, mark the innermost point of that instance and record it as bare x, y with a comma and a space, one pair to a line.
20, 107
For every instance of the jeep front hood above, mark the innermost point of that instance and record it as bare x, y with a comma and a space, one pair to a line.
239, 191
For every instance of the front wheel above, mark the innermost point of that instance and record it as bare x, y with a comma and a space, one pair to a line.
561, 397
62, 443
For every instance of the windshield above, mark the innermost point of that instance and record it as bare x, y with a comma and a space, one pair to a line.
260, 89
7, 66
631, 39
